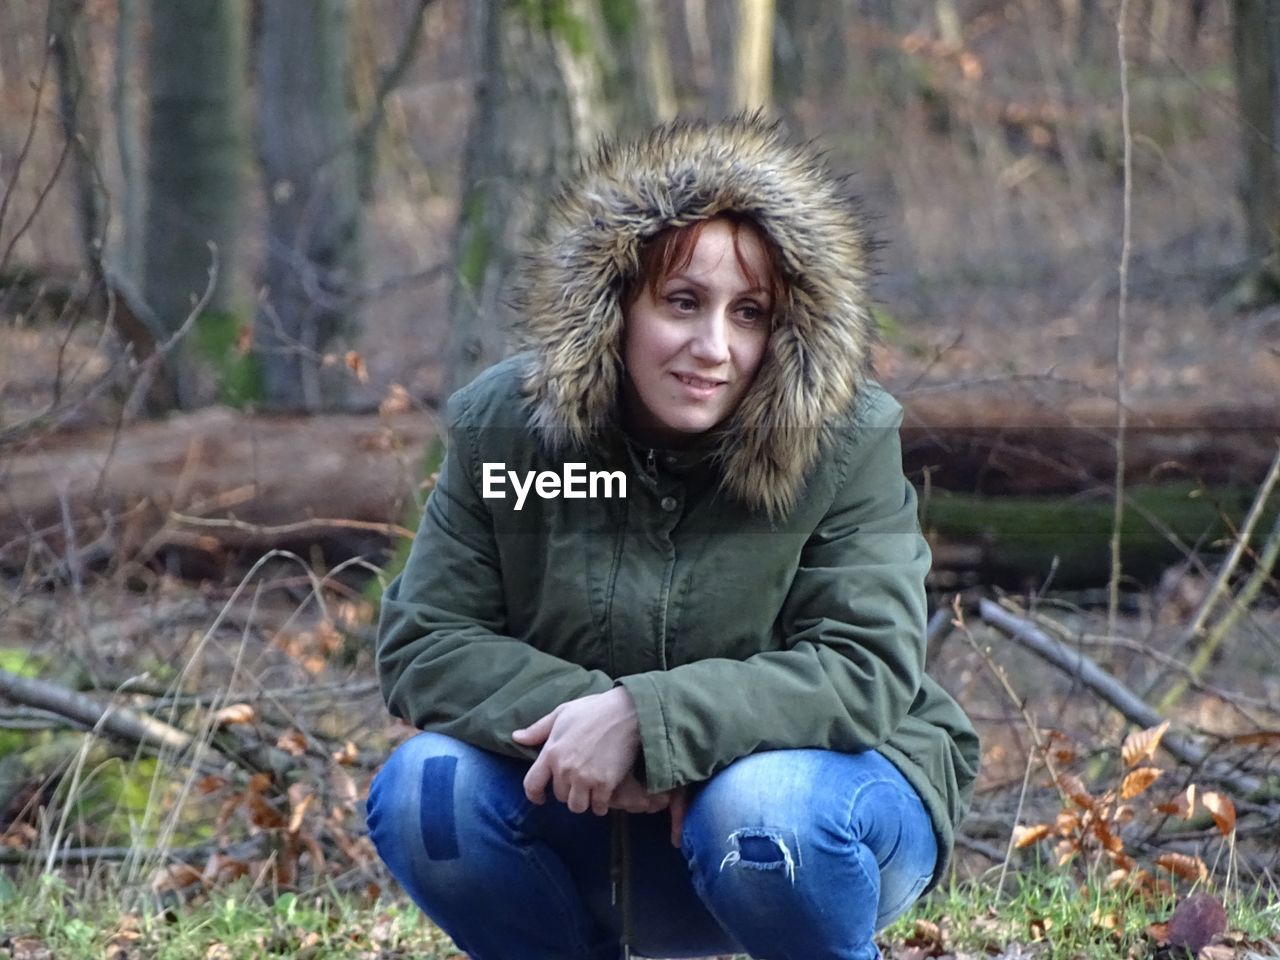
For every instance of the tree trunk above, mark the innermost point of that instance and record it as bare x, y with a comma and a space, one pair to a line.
640, 84
128, 142
305, 138
69, 43
1256, 67
742, 55
195, 173
523, 136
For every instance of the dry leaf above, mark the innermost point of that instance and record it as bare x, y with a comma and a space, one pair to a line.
1115, 878
347, 755
355, 363
1183, 865
176, 876
1196, 921
1222, 810
300, 797
1262, 738
1026, 836
344, 788
397, 400
1075, 790
235, 713
211, 783
1142, 744
292, 742
1137, 781
1067, 823
1182, 806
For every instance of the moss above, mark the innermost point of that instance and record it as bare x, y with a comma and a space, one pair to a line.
477, 245
220, 337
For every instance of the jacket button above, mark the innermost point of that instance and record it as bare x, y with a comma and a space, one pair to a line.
669, 503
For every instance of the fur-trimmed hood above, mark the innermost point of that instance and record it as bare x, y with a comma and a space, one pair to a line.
569, 312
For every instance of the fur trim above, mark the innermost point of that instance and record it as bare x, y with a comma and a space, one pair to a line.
568, 296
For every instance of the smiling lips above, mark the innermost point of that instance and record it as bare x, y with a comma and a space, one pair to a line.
699, 385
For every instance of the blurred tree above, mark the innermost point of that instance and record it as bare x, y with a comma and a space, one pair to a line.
195, 174
1256, 43
811, 54
536, 109
639, 82
741, 55
68, 41
306, 140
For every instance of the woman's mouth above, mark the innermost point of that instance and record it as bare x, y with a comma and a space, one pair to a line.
699, 386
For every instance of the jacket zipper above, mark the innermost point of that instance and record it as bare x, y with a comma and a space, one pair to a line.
651, 464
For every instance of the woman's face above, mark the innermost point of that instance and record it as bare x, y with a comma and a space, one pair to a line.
693, 342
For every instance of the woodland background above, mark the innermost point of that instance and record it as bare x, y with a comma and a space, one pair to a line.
247, 248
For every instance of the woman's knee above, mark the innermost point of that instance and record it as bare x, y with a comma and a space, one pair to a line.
415, 800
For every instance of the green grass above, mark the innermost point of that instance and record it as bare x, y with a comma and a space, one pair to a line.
1047, 914
1053, 914
89, 922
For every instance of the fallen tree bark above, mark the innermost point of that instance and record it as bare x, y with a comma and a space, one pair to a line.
256, 482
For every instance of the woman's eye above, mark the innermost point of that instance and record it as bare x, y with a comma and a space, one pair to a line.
682, 303
750, 313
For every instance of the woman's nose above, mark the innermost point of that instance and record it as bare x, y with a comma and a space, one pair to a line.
711, 343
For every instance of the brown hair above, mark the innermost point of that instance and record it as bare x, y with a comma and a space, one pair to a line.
672, 250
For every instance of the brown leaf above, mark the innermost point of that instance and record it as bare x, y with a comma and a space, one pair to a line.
235, 713
1222, 809
1137, 781
1142, 744
397, 400
1182, 806
344, 788
300, 797
1263, 738
1196, 921
1075, 790
211, 783
1067, 823
1025, 836
176, 876
348, 754
1183, 865
293, 742
29, 948
355, 363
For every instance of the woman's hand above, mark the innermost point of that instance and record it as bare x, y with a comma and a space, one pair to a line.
589, 746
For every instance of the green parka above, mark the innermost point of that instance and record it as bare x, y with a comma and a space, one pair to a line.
761, 590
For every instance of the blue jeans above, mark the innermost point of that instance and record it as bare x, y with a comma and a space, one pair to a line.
786, 854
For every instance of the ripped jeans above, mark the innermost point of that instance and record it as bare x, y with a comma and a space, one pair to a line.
786, 855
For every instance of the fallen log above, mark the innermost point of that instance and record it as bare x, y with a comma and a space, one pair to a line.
255, 482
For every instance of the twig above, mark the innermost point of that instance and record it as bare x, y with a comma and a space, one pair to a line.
88, 855
1122, 321
1219, 587
1077, 665
147, 369
1033, 728
299, 526
387, 81
117, 721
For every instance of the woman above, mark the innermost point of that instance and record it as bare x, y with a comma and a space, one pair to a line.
731, 654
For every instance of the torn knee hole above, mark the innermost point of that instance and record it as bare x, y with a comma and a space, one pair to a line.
760, 850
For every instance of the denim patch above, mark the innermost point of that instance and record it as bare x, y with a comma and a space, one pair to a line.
435, 812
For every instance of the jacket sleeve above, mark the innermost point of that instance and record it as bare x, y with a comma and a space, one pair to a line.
445, 660
854, 622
